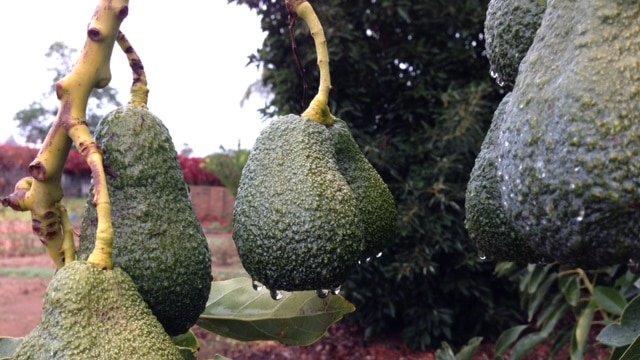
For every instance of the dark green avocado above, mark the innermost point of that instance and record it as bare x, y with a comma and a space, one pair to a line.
158, 239
569, 154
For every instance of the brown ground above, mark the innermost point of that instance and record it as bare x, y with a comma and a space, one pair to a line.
21, 308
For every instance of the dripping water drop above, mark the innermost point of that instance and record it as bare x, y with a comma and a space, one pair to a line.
257, 286
276, 294
335, 289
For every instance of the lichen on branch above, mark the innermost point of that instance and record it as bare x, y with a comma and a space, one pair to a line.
42, 192
318, 109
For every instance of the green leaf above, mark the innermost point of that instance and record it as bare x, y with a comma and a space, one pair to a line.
633, 352
526, 344
467, 351
627, 331
187, 342
610, 299
570, 287
237, 311
581, 334
8, 346
507, 338
445, 352
539, 295
187, 353
537, 278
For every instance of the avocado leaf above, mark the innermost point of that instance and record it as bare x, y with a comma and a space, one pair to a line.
237, 311
8, 346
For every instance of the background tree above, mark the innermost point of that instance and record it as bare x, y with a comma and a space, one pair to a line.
412, 80
227, 165
35, 120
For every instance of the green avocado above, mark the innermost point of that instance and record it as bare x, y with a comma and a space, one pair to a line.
509, 29
569, 153
89, 313
158, 239
298, 224
375, 202
486, 220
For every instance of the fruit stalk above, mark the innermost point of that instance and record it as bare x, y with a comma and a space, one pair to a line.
139, 89
42, 192
318, 109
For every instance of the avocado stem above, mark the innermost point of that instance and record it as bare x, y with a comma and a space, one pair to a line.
318, 109
139, 89
42, 192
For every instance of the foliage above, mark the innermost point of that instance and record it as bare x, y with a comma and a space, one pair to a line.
227, 166
563, 305
16, 157
195, 174
35, 120
412, 81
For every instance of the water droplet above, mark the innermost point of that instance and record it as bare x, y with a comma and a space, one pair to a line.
580, 215
276, 294
379, 254
322, 293
257, 286
335, 289
482, 255
367, 260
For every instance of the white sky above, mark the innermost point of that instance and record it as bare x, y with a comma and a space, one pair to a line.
194, 53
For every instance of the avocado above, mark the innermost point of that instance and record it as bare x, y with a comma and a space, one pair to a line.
158, 239
375, 202
569, 153
486, 221
509, 29
89, 313
296, 221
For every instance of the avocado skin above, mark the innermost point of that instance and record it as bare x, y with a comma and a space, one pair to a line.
90, 313
375, 202
158, 239
487, 223
296, 221
509, 29
569, 152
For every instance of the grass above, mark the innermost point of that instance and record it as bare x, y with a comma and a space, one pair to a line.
28, 273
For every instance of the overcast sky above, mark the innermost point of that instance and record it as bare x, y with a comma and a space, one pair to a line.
194, 52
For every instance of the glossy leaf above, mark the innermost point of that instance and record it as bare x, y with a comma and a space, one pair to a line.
507, 338
627, 330
610, 299
570, 287
633, 352
526, 344
467, 351
188, 344
237, 311
581, 334
8, 346
538, 296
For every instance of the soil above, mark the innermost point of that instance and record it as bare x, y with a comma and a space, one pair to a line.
21, 308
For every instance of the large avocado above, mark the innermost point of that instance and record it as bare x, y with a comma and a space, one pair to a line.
509, 29
158, 239
375, 203
486, 220
569, 153
296, 221
89, 313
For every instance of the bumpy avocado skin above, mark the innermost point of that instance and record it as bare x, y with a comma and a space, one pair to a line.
375, 202
158, 239
509, 29
487, 223
570, 148
90, 313
296, 222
